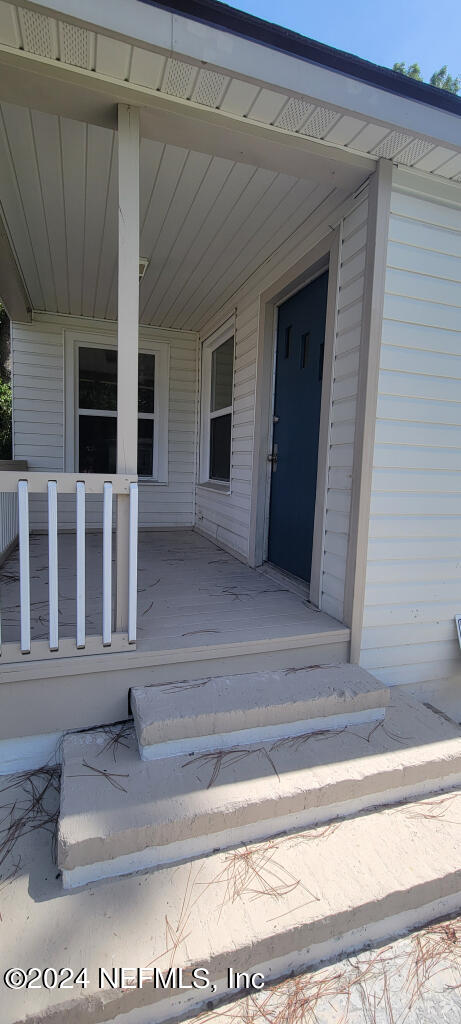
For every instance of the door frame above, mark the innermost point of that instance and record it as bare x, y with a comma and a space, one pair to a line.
323, 256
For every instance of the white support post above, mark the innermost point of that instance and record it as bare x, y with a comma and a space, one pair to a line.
133, 565
24, 566
80, 558
53, 563
128, 319
107, 566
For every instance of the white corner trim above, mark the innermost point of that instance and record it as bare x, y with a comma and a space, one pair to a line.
370, 349
318, 540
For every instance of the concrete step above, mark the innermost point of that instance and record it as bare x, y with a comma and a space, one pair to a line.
222, 711
120, 814
277, 907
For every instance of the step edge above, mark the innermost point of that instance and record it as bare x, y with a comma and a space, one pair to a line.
163, 1007
254, 831
286, 729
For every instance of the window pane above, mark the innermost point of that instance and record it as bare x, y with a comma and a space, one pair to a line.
145, 447
97, 378
97, 444
222, 367
220, 447
146, 381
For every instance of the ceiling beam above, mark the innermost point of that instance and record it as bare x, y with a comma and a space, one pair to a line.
12, 288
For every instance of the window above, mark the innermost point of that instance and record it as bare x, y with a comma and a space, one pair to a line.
217, 389
96, 410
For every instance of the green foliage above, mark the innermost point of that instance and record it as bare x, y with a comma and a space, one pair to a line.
5, 419
412, 71
440, 79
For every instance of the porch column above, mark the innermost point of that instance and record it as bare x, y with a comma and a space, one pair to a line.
127, 337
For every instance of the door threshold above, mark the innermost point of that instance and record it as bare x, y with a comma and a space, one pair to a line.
293, 583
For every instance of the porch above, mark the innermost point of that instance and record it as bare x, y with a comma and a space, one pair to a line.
114, 353
191, 594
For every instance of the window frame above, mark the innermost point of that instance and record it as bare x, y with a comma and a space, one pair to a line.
77, 340
218, 338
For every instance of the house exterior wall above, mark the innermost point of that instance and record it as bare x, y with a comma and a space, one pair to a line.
39, 421
413, 581
226, 517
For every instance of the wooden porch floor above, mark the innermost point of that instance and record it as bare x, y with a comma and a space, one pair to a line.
191, 593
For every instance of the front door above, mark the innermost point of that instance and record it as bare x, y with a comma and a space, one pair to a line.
298, 388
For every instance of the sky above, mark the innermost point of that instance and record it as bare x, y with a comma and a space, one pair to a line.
427, 32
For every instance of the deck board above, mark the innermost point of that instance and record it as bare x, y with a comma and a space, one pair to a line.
190, 594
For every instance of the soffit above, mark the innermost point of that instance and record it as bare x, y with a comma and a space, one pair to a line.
164, 73
207, 223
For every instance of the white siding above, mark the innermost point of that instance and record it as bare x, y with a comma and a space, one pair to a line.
226, 517
38, 404
8, 522
173, 505
414, 553
38, 396
344, 401
39, 424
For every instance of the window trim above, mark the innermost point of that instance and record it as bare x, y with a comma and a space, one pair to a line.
74, 340
214, 341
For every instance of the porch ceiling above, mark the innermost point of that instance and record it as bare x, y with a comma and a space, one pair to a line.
207, 222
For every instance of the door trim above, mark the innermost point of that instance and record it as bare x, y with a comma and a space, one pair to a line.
323, 256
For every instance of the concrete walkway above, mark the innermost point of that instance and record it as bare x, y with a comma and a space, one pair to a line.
414, 980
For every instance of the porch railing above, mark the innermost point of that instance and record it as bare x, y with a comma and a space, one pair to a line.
23, 485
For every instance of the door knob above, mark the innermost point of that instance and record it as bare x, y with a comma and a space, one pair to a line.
273, 457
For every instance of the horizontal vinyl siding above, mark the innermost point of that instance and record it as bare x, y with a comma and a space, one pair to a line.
173, 505
343, 409
38, 405
8, 521
414, 553
39, 424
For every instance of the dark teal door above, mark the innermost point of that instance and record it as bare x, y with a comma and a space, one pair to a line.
298, 387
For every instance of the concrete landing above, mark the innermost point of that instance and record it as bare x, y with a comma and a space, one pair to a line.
251, 707
119, 814
274, 907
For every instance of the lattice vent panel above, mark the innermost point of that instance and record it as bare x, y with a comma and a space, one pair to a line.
321, 121
179, 78
415, 151
38, 33
294, 114
74, 45
209, 88
392, 144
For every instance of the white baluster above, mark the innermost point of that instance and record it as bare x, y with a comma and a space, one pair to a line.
53, 563
24, 570
133, 565
80, 501
107, 567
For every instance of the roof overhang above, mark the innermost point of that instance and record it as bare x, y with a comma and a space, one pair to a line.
282, 61
32, 81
